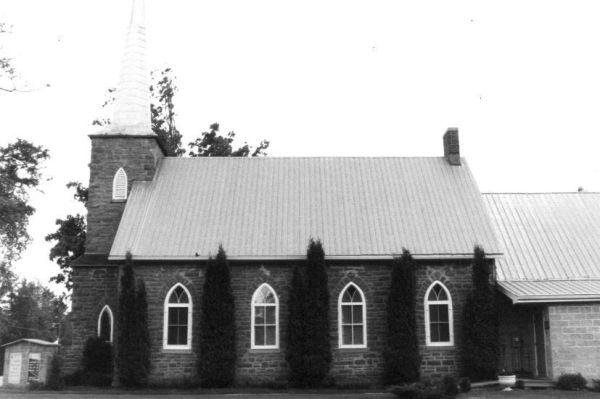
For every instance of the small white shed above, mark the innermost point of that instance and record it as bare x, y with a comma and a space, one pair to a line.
27, 360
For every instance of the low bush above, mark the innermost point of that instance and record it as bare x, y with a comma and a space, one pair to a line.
571, 382
82, 378
450, 386
464, 384
54, 379
74, 379
409, 391
97, 356
447, 388
520, 384
596, 385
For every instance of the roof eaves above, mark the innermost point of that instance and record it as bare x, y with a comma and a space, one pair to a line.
299, 257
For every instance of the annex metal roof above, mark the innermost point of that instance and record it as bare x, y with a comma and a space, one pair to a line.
551, 242
268, 208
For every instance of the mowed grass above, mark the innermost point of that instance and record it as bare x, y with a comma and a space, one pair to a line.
483, 393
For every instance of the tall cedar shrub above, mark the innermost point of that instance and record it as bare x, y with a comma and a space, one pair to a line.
54, 379
141, 304
297, 343
318, 344
97, 357
401, 354
216, 366
480, 324
128, 356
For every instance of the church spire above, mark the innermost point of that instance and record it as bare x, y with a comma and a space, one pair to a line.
132, 100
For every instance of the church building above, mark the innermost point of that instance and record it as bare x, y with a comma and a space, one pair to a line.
172, 213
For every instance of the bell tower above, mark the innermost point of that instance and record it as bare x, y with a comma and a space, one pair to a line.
127, 150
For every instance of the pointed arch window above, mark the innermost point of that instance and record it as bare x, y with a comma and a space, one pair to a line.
105, 324
177, 330
265, 318
120, 185
439, 329
352, 317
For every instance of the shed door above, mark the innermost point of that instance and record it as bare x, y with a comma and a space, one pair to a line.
14, 368
540, 343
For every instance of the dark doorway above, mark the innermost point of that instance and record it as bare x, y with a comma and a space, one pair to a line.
540, 343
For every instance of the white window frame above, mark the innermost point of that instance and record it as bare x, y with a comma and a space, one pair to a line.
363, 303
120, 178
106, 308
450, 316
253, 313
167, 306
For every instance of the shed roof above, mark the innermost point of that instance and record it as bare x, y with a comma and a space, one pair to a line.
32, 341
268, 208
551, 243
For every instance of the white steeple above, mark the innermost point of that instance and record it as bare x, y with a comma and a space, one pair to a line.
132, 99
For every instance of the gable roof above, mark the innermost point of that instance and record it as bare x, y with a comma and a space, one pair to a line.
552, 245
268, 208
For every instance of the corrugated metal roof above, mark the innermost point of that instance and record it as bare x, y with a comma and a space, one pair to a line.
551, 242
33, 341
551, 290
269, 207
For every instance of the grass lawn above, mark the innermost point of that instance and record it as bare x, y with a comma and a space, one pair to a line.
497, 393
483, 393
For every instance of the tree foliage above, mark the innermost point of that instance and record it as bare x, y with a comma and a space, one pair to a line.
318, 350
20, 164
213, 144
97, 356
297, 343
141, 304
70, 239
162, 109
54, 379
8, 73
216, 365
401, 354
480, 324
30, 310
129, 360
9, 78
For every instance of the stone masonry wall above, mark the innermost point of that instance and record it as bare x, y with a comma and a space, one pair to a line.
138, 156
96, 286
575, 339
93, 287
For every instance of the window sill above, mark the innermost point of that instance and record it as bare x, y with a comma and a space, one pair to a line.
118, 200
265, 350
352, 348
177, 351
440, 347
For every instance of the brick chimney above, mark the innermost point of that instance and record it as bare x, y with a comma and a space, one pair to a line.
451, 147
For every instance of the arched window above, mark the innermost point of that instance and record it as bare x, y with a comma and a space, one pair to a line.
177, 331
265, 318
352, 318
105, 324
120, 185
439, 329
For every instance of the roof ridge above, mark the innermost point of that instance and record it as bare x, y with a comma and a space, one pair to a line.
540, 192
315, 157
551, 280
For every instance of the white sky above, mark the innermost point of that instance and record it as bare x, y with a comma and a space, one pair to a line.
520, 79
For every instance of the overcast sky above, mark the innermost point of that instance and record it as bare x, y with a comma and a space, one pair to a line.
520, 79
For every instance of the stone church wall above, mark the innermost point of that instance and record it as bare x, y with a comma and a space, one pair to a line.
97, 286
